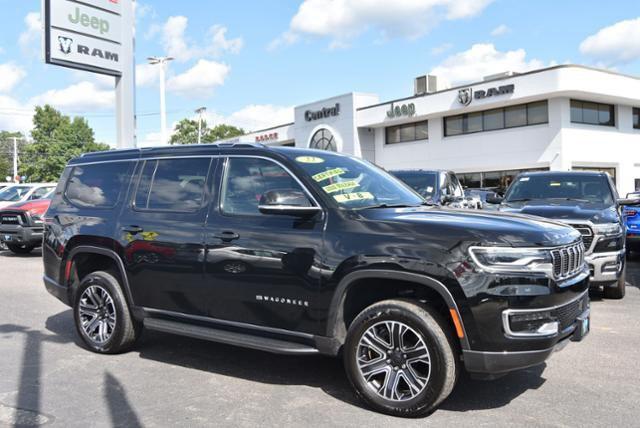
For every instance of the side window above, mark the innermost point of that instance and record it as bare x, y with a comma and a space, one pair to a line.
172, 184
97, 185
456, 187
39, 193
247, 179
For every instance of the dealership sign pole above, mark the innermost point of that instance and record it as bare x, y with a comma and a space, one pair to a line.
96, 36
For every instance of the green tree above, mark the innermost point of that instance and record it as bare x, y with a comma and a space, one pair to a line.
56, 139
186, 132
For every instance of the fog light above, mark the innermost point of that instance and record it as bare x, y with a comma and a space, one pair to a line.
531, 324
611, 267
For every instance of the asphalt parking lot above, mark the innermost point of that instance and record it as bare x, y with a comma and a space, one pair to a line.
46, 377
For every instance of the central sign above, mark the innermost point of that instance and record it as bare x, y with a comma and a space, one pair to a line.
325, 112
84, 35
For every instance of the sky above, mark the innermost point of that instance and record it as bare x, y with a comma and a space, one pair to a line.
250, 62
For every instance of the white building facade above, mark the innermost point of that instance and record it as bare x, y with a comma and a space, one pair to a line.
559, 118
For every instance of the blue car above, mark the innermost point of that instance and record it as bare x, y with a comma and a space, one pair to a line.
632, 221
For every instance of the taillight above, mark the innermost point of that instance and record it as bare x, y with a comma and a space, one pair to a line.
630, 213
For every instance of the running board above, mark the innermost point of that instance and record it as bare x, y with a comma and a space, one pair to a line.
229, 337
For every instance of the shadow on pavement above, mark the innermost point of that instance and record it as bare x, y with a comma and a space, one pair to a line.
35, 254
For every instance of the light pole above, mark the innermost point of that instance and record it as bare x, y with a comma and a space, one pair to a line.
200, 111
161, 61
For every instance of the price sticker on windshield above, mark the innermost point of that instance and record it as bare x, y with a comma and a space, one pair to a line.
309, 159
335, 187
357, 196
321, 176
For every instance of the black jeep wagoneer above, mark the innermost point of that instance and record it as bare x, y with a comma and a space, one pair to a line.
303, 252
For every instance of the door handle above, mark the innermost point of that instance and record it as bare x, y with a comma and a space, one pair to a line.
134, 230
227, 236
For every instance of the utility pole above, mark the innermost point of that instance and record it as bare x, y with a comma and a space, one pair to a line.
162, 61
15, 160
200, 111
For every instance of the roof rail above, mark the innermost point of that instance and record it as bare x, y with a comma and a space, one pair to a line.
231, 144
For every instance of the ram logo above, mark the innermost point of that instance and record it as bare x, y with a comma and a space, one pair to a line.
464, 96
65, 44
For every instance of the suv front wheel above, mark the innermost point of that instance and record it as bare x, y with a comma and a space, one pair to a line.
400, 358
102, 316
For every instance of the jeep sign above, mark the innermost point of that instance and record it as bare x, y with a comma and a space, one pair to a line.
85, 35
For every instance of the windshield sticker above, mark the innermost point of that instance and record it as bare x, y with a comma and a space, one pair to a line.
335, 187
524, 179
358, 196
309, 159
555, 184
328, 174
429, 189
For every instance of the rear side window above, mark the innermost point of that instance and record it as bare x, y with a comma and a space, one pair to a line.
172, 184
97, 185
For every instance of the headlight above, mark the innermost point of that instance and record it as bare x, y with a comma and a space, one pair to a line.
512, 260
609, 229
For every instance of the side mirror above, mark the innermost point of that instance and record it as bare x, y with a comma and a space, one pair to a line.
629, 201
493, 198
286, 202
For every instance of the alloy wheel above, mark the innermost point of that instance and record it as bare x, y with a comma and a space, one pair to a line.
97, 313
394, 361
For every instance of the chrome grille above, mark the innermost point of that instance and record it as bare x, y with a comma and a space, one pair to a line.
567, 261
586, 232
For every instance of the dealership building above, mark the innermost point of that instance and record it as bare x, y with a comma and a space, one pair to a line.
559, 118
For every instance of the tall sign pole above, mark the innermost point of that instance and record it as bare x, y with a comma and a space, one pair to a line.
126, 83
96, 36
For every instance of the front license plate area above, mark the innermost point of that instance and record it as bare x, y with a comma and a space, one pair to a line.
583, 326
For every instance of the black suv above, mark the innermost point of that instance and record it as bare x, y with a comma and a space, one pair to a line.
589, 202
438, 187
304, 252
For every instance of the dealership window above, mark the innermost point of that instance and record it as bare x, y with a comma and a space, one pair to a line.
500, 118
408, 132
636, 118
592, 113
323, 139
608, 170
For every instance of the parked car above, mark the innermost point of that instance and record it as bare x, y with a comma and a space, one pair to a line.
299, 251
21, 225
632, 222
481, 194
438, 187
589, 202
4, 185
24, 192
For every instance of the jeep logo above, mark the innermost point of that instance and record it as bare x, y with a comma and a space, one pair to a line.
401, 110
88, 21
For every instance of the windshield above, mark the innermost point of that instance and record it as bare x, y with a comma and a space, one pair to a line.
586, 188
423, 183
354, 183
14, 193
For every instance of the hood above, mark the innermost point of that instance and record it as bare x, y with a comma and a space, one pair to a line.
564, 210
480, 228
37, 206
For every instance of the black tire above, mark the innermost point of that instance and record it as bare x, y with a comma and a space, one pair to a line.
20, 248
125, 330
436, 335
618, 290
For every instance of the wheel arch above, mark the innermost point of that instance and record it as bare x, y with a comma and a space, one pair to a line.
336, 326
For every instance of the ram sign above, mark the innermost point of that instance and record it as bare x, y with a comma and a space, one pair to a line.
86, 35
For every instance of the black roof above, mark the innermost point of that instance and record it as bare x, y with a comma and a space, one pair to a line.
543, 173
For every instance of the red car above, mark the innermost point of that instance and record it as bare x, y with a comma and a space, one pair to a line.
21, 225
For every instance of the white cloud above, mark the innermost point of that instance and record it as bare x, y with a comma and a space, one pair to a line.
343, 20
29, 39
146, 74
177, 45
151, 139
254, 117
500, 30
79, 97
14, 115
616, 44
10, 76
483, 59
200, 80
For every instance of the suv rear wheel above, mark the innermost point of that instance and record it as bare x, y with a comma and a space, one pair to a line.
102, 316
20, 248
400, 358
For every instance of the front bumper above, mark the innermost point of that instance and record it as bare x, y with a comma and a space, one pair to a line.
606, 267
21, 235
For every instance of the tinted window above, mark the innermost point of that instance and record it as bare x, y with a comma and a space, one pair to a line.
592, 113
14, 193
537, 113
408, 132
515, 116
97, 185
588, 188
494, 119
172, 184
40, 192
636, 118
422, 182
247, 179
489, 120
